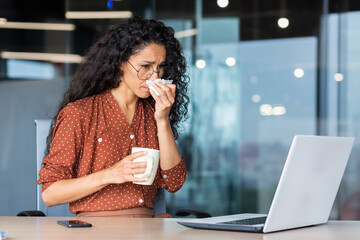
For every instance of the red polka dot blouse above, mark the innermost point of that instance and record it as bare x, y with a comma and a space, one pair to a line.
92, 134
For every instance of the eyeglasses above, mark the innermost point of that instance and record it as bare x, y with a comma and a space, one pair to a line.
146, 71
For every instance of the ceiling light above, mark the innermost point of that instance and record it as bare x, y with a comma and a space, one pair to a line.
222, 3
186, 33
266, 110
230, 61
98, 15
278, 110
338, 77
283, 22
51, 57
256, 98
38, 26
299, 73
253, 79
200, 64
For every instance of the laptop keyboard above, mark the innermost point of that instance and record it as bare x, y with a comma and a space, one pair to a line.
248, 221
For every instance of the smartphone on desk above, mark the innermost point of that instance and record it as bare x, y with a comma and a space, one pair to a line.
74, 223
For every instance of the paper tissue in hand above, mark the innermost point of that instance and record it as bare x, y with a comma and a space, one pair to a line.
164, 81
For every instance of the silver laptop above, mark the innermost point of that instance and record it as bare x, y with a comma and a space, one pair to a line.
305, 193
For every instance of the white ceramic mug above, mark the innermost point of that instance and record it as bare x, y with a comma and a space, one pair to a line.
152, 159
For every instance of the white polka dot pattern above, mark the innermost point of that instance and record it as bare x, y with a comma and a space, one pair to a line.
93, 134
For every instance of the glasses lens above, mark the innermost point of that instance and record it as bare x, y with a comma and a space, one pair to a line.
145, 72
161, 72
166, 73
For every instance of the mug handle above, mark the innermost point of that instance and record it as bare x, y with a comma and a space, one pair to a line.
149, 167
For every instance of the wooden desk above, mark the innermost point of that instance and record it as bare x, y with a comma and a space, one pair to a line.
169, 229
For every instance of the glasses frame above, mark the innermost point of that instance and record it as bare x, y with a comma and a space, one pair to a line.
137, 71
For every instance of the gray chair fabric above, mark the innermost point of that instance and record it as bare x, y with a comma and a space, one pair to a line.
42, 131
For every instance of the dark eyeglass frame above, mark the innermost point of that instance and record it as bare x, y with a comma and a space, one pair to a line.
137, 71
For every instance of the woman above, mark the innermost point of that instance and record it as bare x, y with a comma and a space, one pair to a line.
107, 110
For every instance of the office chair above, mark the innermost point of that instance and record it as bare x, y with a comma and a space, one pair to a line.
42, 131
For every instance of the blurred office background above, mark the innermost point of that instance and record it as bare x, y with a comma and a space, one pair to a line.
261, 71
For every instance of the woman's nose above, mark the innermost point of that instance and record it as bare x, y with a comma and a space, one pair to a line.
154, 76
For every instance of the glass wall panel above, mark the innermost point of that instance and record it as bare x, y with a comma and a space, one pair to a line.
241, 125
348, 85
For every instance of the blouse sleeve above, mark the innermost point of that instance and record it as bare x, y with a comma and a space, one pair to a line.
65, 148
173, 179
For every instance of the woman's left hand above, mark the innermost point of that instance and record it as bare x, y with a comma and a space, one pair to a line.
165, 101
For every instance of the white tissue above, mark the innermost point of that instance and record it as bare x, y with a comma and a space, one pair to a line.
164, 81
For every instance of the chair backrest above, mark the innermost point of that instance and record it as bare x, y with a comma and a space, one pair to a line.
42, 131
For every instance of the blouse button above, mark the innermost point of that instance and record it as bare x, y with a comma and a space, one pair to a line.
100, 140
165, 176
141, 201
132, 136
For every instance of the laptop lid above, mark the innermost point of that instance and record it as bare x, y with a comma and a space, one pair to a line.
309, 182
306, 190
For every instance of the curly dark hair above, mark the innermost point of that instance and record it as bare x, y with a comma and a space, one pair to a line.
100, 69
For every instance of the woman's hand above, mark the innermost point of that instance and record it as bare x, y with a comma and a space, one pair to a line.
165, 101
125, 170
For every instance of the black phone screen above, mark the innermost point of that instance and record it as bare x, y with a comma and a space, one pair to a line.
74, 223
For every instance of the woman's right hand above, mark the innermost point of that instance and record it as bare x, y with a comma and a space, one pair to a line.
125, 170
70, 190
